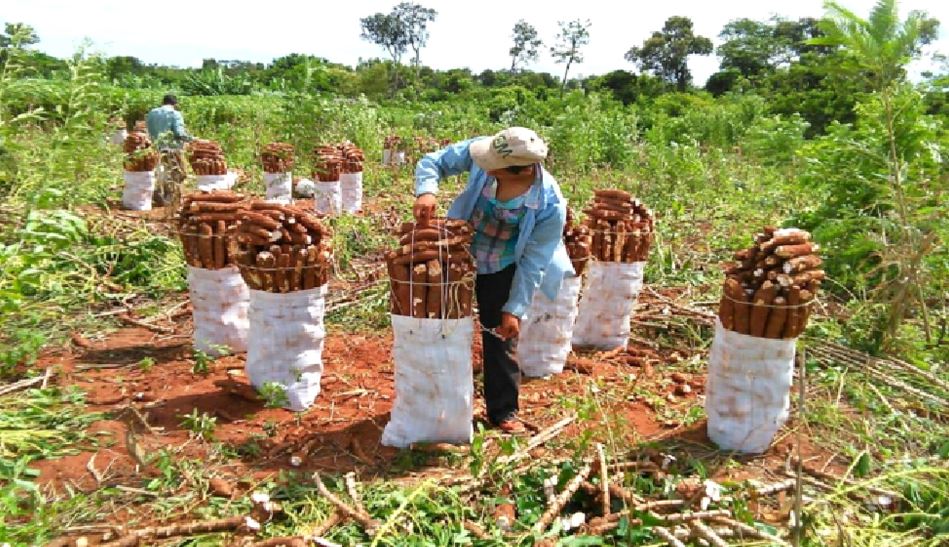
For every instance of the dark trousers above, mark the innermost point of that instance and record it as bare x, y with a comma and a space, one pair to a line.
502, 373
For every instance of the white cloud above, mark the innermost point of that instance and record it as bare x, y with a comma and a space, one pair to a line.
474, 35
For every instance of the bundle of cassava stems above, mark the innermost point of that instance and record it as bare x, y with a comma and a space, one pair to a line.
204, 222
206, 158
139, 154
282, 248
331, 160
277, 157
432, 272
579, 243
622, 227
327, 163
771, 291
353, 157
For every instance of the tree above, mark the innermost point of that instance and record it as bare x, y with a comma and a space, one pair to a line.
881, 46
756, 48
666, 52
748, 46
572, 36
386, 30
414, 20
526, 44
406, 26
626, 86
22, 33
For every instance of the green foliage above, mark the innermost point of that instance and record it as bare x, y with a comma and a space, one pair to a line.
202, 362
36, 424
666, 52
882, 44
274, 395
526, 44
571, 38
201, 425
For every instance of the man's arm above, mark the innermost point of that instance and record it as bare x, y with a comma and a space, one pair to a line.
178, 127
548, 231
452, 160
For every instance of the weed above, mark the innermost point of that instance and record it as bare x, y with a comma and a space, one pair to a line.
202, 363
201, 425
274, 395
146, 364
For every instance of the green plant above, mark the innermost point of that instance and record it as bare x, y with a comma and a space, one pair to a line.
201, 425
270, 427
202, 362
274, 394
146, 364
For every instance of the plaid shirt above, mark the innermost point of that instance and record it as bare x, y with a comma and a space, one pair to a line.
497, 225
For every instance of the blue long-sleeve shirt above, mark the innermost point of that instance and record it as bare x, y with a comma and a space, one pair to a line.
166, 118
540, 255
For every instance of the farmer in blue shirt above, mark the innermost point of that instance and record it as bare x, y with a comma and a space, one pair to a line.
167, 119
518, 214
166, 127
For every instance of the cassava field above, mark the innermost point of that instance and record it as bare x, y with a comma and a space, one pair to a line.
114, 430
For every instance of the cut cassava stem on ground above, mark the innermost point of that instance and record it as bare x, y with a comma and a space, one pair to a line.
174, 530
555, 508
368, 524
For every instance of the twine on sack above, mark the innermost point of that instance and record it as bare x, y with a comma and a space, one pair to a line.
202, 236
778, 307
626, 233
451, 288
278, 269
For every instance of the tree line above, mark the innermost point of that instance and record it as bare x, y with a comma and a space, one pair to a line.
780, 59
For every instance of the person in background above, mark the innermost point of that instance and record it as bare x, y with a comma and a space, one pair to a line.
166, 128
518, 214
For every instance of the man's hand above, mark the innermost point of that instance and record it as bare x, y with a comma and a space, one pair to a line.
510, 326
424, 208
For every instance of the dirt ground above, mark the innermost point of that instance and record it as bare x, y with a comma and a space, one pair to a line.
341, 431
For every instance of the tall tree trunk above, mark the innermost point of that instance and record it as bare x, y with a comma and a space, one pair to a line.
563, 85
513, 63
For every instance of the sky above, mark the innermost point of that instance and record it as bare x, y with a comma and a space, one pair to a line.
475, 35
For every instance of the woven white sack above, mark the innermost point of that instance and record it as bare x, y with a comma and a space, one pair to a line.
546, 333
351, 189
748, 390
304, 188
608, 298
220, 300
279, 187
393, 157
327, 198
209, 183
285, 343
139, 187
118, 137
433, 387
